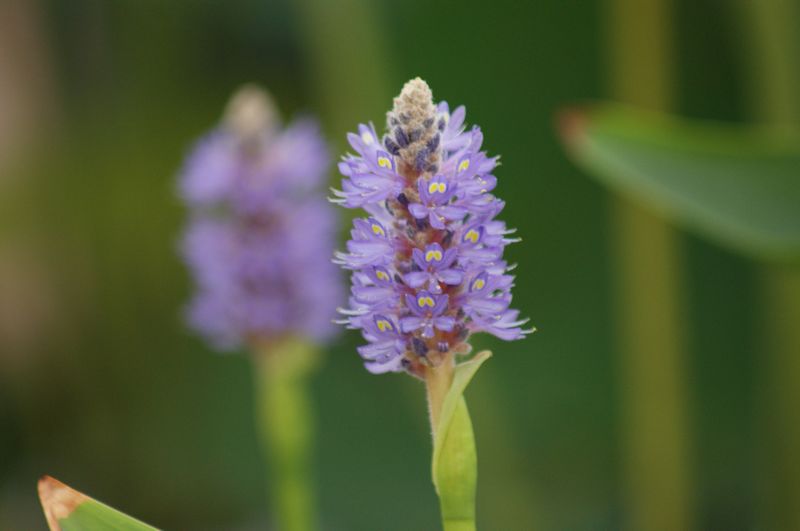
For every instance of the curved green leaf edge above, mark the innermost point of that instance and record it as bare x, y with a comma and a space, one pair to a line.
463, 374
69, 510
738, 185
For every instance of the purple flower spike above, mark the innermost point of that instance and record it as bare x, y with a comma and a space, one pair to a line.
259, 235
427, 265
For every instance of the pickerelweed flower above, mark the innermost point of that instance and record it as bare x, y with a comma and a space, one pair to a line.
258, 242
427, 263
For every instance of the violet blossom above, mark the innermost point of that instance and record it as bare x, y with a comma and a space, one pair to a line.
260, 230
427, 263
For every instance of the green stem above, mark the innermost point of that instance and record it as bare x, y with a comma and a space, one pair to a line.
780, 386
773, 50
437, 383
651, 334
344, 43
648, 278
455, 473
285, 422
459, 525
774, 62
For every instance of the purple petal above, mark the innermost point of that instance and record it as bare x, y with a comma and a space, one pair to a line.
450, 276
436, 221
441, 305
452, 212
417, 210
411, 304
419, 258
409, 324
444, 323
416, 279
449, 257
394, 364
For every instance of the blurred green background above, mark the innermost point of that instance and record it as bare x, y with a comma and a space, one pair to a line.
102, 387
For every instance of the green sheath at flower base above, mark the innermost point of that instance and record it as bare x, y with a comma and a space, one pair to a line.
285, 420
454, 464
69, 510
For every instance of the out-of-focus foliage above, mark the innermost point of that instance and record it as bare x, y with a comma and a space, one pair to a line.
100, 384
738, 185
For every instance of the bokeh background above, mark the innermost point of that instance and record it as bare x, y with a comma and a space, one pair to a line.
102, 386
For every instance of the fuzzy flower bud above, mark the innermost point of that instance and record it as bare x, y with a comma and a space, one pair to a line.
413, 132
427, 264
260, 230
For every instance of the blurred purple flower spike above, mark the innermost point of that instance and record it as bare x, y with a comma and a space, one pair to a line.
260, 231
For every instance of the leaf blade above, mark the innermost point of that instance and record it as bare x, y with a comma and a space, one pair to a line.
69, 510
737, 185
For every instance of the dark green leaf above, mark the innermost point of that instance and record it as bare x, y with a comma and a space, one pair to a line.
735, 184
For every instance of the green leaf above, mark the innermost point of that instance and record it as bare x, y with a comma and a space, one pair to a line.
737, 185
69, 510
454, 457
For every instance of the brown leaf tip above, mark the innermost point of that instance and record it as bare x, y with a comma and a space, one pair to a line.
571, 125
58, 500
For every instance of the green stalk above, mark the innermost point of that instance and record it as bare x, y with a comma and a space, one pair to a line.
454, 465
651, 335
774, 60
345, 51
780, 479
648, 279
773, 51
286, 429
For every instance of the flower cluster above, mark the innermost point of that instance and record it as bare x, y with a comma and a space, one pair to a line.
259, 236
427, 264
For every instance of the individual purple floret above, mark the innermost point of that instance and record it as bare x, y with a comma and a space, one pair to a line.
258, 241
427, 264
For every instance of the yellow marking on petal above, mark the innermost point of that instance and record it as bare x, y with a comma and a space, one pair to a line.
384, 325
463, 166
384, 162
478, 284
432, 187
442, 188
381, 275
378, 230
433, 255
425, 301
367, 138
472, 236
